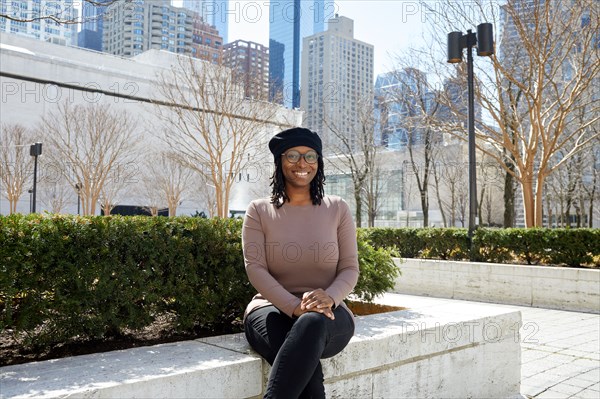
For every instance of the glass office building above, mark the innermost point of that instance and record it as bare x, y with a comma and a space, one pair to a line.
90, 36
213, 12
289, 22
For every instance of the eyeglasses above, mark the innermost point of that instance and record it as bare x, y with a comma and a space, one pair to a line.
294, 156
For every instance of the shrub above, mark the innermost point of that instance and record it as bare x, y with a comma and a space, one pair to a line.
406, 241
571, 247
378, 271
451, 243
67, 278
574, 247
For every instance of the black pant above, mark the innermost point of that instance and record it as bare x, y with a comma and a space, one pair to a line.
294, 347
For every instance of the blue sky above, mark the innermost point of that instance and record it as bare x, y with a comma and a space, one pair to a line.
390, 25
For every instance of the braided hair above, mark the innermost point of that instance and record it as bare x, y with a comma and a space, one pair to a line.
279, 197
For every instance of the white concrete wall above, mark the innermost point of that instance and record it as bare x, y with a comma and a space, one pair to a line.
539, 286
26, 102
434, 352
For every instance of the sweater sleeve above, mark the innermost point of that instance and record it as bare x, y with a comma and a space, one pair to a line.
253, 244
347, 267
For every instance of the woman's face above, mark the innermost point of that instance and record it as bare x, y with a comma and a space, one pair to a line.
301, 173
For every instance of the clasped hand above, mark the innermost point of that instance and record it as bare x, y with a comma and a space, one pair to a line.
316, 301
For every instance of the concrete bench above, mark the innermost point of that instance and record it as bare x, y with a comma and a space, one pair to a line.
439, 351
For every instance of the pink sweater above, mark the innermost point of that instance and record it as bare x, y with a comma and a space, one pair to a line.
294, 249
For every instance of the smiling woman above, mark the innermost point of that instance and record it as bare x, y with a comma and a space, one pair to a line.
301, 255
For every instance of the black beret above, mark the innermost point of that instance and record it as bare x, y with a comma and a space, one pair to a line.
297, 136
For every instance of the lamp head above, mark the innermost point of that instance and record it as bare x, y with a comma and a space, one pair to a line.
454, 47
35, 149
485, 39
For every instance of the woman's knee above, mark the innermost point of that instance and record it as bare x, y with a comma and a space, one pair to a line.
314, 322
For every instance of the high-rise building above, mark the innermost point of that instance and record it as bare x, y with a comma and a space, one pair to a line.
249, 62
337, 82
25, 23
289, 22
389, 132
132, 28
402, 103
90, 36
213, 12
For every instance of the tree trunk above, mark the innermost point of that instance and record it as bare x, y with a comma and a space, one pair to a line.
439, 199
528, 202
425, 208
539, 201
358, 201
509, 200
453, 206
480, 205
548, 212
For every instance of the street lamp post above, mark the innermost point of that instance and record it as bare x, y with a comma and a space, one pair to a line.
30, 191
78, 188
35, 150
484, 40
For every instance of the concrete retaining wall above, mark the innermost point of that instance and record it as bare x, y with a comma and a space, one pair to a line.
539, 286
442, 351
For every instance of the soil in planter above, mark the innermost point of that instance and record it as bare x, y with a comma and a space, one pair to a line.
12, 353
365, 308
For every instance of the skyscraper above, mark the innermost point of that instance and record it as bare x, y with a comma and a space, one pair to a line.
249, 62
337, 83
289, 22
132, 28
24, 13
214, 12
90, 36
388, 112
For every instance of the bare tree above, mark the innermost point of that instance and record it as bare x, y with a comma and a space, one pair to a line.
591, 184
357, 153
374, 191
149, 190
93, 144
490, 183
408, 191
15, 162
108, 197
437, 175
167, 178
212, 128
573, 188
549, 58
451, 179
55, 195
420, 106
52, 11
206, 193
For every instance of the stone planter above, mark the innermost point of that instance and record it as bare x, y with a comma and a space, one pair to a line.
538, 286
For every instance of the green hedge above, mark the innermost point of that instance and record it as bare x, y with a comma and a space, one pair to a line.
570, 247
69, 279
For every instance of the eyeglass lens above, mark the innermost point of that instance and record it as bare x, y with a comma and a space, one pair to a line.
294, 156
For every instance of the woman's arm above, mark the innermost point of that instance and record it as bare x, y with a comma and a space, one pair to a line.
347, 267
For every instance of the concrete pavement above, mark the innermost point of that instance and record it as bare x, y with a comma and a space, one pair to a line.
560, 349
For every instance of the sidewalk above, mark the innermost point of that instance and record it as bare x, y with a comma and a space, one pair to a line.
560, 349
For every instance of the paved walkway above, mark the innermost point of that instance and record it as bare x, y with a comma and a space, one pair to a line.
560, 349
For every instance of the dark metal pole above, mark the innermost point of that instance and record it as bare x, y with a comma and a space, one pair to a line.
35, 150
471, 41
78, 188
35, 159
